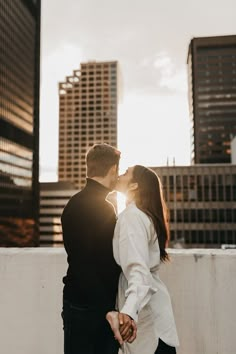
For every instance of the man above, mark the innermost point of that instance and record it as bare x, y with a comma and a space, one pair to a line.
90, 285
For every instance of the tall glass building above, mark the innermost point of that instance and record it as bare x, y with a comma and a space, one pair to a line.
19, 121
212, 97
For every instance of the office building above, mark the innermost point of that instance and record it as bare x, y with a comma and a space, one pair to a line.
202, 203
88, 115
19, 122
212, 97
53, 198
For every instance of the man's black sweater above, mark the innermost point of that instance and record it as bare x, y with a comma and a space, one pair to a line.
88, 223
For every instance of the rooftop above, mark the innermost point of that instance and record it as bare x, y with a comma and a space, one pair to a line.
201, 283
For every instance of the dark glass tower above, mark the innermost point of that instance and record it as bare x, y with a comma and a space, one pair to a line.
19, 122
212, 97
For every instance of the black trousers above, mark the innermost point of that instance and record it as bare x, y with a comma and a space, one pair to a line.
86, 331
163, 348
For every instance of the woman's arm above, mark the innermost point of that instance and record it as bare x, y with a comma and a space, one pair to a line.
134, 260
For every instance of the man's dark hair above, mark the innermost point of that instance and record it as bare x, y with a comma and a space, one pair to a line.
100, 158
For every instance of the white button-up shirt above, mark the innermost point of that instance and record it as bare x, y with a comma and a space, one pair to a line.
141, 293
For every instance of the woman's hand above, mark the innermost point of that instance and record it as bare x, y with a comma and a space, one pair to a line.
123, 327
128, 328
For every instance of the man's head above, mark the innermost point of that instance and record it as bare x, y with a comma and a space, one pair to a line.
103, 163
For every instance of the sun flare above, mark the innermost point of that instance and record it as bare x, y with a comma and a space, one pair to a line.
121, 200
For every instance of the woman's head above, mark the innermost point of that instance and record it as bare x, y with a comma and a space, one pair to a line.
143, 186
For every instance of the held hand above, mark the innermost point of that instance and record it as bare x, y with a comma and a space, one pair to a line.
128, 328
113, 319
133, 333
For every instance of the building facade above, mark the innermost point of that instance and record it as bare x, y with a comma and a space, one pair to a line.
19, 122
53, 198
233, 151
202, 203
88, 115
212, 97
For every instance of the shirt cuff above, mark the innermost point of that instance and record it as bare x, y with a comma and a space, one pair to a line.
130, 308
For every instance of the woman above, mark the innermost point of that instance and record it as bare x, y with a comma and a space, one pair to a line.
139, 243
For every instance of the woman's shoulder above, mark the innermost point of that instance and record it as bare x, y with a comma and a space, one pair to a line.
135, 219
133, 212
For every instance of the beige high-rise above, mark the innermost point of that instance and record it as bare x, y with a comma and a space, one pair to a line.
88, 115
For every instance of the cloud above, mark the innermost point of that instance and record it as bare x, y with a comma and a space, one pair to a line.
163, 62
164, 74
177, 81
171, 77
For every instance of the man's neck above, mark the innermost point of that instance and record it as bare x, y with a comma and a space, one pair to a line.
102, 180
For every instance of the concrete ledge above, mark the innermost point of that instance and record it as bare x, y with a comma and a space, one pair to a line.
201, 283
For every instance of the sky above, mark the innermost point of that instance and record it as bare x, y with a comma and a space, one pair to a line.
149, 39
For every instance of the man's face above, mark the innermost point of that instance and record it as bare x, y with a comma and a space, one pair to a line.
124, 181
114, 176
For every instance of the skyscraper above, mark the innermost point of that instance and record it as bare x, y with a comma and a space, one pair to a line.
212, 97
88, 115
19, 121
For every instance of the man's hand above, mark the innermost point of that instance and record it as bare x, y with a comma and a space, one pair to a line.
123, 327
128, 328
113, 319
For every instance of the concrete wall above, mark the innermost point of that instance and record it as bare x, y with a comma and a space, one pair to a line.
201, 282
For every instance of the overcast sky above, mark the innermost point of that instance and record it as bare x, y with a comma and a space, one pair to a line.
150, 39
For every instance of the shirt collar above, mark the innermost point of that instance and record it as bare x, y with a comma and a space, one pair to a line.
98, 188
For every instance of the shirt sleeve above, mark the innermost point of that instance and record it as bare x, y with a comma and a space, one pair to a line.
134, 260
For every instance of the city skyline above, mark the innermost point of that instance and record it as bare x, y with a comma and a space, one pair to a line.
151, 47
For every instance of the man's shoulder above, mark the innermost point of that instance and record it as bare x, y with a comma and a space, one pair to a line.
75, 201
74, 198
110, 207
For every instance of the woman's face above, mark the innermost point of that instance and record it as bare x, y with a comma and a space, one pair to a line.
124, 181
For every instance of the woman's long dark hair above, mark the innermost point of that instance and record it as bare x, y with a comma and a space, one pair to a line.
149, 199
